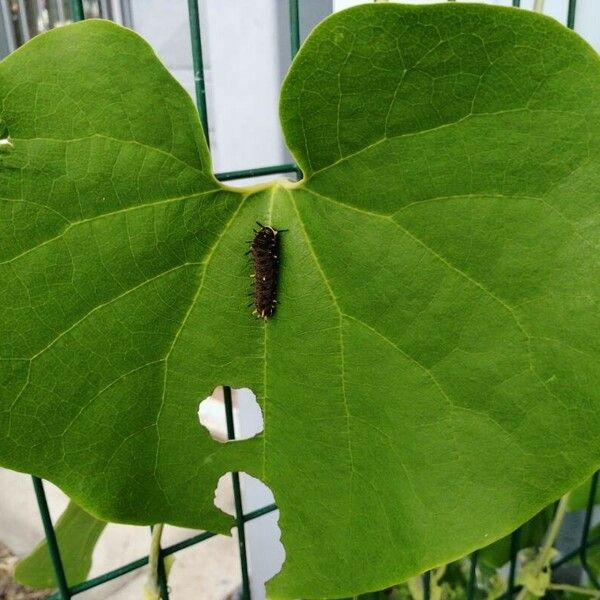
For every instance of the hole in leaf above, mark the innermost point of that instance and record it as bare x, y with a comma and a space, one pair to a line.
247, 414
5, 143
265, 552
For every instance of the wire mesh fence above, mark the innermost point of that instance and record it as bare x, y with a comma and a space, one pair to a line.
21, 29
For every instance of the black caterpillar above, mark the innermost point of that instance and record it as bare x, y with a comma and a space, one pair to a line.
264, 252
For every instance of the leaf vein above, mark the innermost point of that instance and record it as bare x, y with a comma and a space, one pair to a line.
205, 264
73, 224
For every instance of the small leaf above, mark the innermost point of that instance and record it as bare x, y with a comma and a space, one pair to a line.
77, 533
535, 579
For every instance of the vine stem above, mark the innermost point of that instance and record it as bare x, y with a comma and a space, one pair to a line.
565, 587
545, 553
152, 588
557, 522
416, 587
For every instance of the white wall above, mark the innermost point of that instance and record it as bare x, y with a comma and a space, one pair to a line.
245, 55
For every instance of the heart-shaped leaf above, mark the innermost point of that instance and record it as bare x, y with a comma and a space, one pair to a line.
430, 379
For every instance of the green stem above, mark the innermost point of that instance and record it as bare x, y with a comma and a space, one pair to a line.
415, 584
555, 526
544, 555
415, 587
152, 587
575, 589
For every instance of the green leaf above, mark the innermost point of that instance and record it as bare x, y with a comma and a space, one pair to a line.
430, 380
77, 533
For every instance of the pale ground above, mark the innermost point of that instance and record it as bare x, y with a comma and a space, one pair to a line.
9, 589
207, 571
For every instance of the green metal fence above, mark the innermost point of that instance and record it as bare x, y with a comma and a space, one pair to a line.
66, 592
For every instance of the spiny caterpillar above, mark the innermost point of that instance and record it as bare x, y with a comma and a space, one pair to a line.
264, 252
